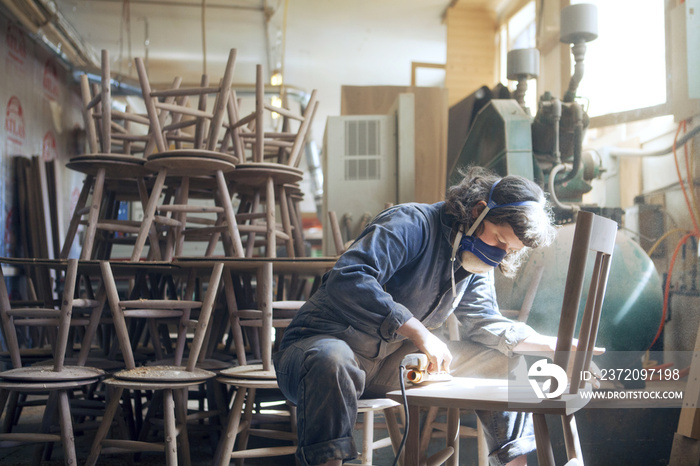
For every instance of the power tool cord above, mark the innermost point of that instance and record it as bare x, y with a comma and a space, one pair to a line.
405, 409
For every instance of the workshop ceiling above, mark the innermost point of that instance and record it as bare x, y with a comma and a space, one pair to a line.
177, 36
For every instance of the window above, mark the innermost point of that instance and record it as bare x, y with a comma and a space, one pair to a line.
625, 67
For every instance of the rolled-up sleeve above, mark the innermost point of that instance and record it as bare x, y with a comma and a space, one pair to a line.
481, 320
355, 286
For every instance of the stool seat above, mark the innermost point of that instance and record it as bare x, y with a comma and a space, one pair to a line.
164, 374
251, 371
48, 374
212, 154
256, 174
190, 166
118, 166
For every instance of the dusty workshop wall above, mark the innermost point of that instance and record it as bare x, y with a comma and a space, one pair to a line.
40, 118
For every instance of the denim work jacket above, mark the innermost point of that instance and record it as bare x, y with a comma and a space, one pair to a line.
398, 268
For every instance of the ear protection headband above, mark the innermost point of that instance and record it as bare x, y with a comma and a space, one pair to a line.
490, 255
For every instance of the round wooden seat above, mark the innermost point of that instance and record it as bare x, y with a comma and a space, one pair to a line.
178, 165
250, 371
162, 374
197, 153
257, 174
47, 373
118, 166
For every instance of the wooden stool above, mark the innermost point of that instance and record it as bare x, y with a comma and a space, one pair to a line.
190, 161
259, 181
118, 143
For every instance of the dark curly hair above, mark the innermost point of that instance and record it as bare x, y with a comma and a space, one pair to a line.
531, 223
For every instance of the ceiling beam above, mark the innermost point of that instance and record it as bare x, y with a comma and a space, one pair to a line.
190, 4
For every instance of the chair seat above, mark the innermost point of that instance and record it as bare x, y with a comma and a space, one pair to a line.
488, 394
43, 387
118, 166
187, 165
256, 174
250, 371
164, 374
213, 365
375, 404
46, 374
197, 153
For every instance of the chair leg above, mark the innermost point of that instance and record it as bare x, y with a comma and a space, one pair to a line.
103, 430
223, 452
66, 428
483, 453
367, 438
148, 216
545, 455
452, 435
77, 214
12, 399
427, 433
271, 240
94, 215
286, 220
229, 213
571, 439
393, 427
170, 428
181, 418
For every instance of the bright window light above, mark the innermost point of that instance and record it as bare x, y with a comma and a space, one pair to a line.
625, 67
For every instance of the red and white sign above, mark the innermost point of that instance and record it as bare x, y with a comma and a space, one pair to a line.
48, 147
50, 80
16, 44
14, 122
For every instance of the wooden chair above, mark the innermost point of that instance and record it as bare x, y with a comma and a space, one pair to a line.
115, 168
259, 182
56, 378
192, 159
593, 233
172, 380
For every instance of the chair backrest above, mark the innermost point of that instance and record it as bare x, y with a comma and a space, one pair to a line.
57, 317
111, 131
164, 308
597, 234
190, 128
249, 131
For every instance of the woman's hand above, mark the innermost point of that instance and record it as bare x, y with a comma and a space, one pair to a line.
439, 356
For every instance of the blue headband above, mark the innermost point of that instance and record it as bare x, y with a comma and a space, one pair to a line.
490, 255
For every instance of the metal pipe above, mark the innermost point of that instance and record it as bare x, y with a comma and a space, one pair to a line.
620, 152
553, 195
578, 143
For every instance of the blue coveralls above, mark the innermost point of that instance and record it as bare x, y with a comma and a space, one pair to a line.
343, 345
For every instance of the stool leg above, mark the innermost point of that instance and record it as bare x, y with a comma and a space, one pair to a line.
545, 456
77, 214
271, 244
148, 216
103, 430
154, 250
94, 215
170, 428
66, 428
367, 438
228, 440
181, 418
229, 213
286, 221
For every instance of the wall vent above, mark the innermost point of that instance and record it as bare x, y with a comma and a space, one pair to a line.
362, 150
